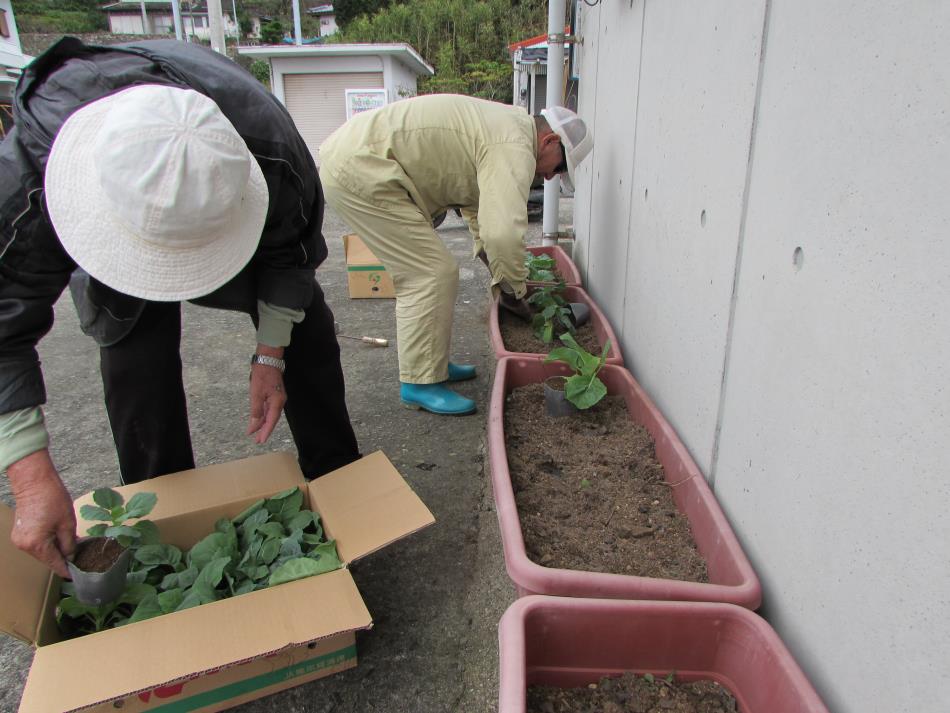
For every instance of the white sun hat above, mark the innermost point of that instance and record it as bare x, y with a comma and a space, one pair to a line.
575, 137
154, 193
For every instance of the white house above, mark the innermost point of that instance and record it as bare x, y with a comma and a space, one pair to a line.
322, 84
12, 61
763, 219
327, 18
126, 18
529, 61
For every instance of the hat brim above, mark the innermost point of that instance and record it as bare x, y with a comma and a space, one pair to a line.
110, 251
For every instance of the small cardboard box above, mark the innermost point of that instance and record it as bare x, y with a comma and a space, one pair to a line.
366, 276
217, 655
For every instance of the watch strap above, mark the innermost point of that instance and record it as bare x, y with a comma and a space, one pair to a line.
269, 361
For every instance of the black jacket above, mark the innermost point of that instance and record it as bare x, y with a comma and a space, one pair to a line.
34, 268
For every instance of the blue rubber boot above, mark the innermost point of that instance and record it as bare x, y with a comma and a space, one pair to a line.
461, 372
435, 398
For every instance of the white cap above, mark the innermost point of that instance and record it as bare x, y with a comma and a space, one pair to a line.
575, 137
152, 191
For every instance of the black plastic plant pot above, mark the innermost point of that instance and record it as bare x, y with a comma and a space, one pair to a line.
98, 588
555, 400
580, 313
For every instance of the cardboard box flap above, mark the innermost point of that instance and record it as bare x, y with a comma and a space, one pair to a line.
118, 662
23, 581
366, 505
357, 253
212, 485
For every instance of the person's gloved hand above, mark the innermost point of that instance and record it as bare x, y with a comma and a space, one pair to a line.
518, 307
44, 524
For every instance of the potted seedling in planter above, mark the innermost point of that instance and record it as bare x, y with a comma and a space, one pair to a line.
541, 268
99, 566
557, 308
551, 312
564, 395
556, 261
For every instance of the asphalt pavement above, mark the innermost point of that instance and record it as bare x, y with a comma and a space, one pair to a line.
436, 597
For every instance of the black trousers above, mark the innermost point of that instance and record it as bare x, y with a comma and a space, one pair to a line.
145, 396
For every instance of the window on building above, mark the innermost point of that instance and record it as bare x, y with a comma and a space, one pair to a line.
4, 26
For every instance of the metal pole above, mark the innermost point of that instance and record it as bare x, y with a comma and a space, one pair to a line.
554, 97
237, 25
216, 26
298, 34
145, 24
176, 17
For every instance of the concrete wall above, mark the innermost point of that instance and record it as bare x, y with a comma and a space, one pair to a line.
763, 221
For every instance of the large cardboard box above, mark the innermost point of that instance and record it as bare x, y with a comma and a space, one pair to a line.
217, 655
365, 274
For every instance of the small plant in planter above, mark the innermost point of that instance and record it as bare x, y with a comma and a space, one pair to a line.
271, 542
583, 389
99, 566
552, 312
541, 268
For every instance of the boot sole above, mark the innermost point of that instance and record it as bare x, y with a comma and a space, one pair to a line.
419, 407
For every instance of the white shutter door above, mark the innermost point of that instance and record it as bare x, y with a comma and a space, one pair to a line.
317, 102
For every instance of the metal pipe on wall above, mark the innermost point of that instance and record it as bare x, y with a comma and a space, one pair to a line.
554, 96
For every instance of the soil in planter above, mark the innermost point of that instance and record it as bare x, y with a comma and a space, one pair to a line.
633, 694
97, 555
518, 336
591, 494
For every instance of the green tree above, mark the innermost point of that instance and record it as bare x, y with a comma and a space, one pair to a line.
465, 41
272, 33
346, 11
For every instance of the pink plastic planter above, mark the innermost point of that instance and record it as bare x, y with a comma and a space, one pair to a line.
598, 321
565, 266
731, 576
567, 643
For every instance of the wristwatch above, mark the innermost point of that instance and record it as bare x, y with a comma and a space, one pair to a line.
268, 361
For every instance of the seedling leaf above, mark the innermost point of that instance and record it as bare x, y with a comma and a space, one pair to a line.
140, 505
92, 512
107, 498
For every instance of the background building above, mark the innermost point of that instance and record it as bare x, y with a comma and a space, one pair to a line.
12, 61
312, 80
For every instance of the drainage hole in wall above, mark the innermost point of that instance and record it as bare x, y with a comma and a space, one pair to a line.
702, 218
646, 192
798, 258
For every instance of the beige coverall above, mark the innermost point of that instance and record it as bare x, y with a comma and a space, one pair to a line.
387, 172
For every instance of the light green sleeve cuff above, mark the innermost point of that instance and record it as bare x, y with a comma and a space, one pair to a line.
275, 324
21, 433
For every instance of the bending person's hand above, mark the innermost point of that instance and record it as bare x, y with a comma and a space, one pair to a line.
44, 524
267, 401
518, 307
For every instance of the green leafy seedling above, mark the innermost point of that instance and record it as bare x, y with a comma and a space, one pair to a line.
584, 388
541, 268
111, 508
585, 483
551, 312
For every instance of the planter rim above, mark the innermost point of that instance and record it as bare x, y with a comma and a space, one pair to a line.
538, 579
513, 664
572, 293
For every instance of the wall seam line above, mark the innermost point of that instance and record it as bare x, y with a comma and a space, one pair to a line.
740, 247
633, 171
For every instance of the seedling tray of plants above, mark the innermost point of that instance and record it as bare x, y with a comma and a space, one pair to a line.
598, 325
729, 573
